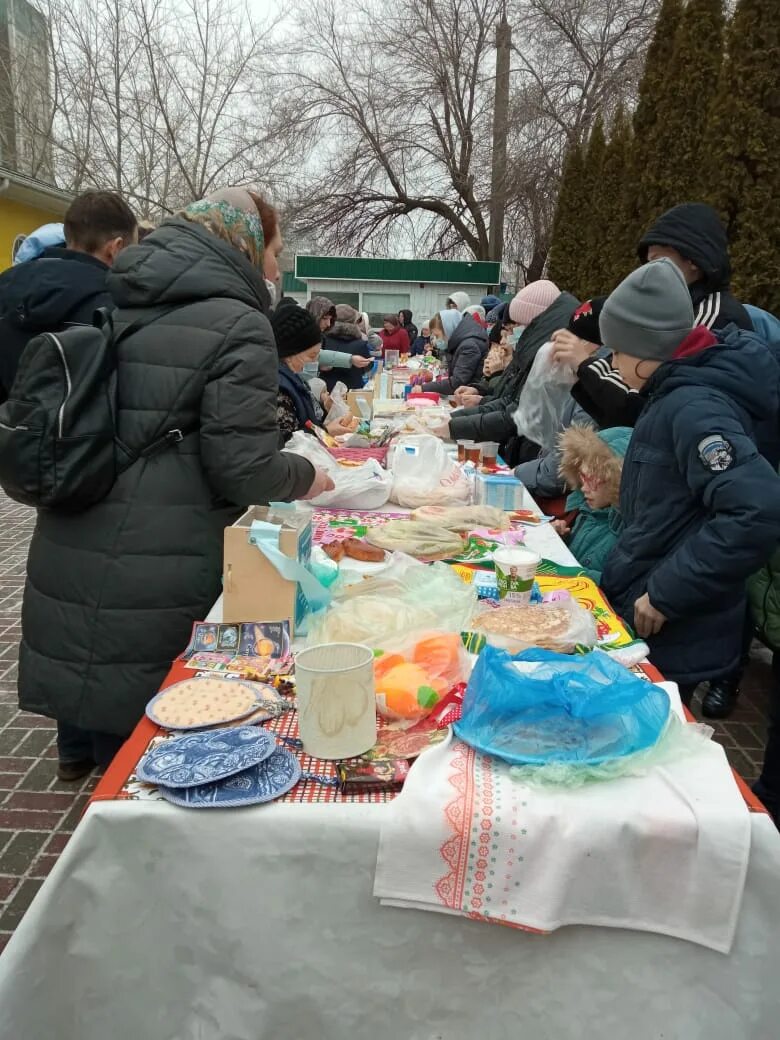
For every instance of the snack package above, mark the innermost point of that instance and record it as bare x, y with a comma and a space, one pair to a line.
425, 540
464, 518
360, 487
560, 626
411, 676
403, 599
424, 473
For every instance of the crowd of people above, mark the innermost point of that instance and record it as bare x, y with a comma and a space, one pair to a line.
662, 474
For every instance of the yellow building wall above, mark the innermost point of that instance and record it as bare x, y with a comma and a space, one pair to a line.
18, 219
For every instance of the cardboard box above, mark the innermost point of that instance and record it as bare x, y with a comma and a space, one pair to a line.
253, 588
366, 397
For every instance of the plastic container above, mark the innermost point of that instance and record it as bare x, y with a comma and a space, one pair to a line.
336, 702
462, 445
499, 489
515, 572
473, 452
392, 359
489, 453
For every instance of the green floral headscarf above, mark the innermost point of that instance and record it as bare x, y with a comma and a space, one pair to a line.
231, 214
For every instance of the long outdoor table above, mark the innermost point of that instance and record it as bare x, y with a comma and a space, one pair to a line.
166, 924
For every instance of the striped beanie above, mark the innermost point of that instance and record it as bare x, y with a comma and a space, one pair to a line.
533, 300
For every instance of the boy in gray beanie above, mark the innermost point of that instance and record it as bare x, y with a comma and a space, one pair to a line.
700, 506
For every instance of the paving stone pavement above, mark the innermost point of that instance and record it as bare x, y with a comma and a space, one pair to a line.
38, 813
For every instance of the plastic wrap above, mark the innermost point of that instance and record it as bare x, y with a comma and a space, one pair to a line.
339, 409
412, 675
405, 598
540, 707
546, 392
561, 626
423, 539
464, 518
357, 487
424, 473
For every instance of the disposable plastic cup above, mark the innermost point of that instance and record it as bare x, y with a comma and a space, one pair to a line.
515, 571
462, 445
336, 702
472, 453
392, 358
489, 453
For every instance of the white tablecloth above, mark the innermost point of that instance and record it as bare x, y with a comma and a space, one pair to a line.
163, 924
260, 924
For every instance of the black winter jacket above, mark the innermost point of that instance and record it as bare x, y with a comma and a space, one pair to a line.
492, 420
466, 350
112, 592
59, 287
695, 231
345, 337
700, 505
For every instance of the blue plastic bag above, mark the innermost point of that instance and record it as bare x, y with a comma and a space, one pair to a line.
538, 707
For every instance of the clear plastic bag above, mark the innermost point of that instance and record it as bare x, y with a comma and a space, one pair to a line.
357, 487
405, 598
544, 396
561, 626
540, 707
411, 675
339, 409
424, 473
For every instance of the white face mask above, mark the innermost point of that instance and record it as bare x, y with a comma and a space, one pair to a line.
517, 332
272, 291
311, 370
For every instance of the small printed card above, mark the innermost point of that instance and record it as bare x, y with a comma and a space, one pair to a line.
252, 649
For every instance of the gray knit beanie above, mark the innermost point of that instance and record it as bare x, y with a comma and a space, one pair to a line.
649, 314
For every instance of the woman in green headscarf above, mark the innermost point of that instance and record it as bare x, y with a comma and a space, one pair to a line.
112, 592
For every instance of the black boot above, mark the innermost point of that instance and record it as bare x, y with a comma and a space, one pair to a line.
721, 698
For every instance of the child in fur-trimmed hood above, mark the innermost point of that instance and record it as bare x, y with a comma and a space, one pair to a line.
592, 464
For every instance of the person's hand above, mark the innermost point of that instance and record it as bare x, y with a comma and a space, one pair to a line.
326, 400
461, 391
338, 427
561, 527
569, 349
647, 620
322, 483
358, 361
442, 431
470, 400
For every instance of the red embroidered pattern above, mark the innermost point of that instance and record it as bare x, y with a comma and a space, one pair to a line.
455, 849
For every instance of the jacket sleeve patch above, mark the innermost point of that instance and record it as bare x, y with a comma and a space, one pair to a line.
715, 452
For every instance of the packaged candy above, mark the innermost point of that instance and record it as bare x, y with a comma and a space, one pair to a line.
412, 676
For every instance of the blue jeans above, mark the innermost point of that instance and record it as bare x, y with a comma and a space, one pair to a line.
79, 745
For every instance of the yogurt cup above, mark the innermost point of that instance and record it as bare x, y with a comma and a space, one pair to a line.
516, 568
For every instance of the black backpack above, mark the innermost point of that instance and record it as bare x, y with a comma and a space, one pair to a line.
58, 442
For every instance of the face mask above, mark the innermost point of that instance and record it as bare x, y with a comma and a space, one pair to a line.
440, 344
272, 291
516, 334
310, 370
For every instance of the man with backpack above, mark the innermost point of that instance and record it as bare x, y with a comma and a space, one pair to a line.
63, 286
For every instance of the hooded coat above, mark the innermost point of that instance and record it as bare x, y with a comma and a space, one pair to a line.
466, 351
112, 592
344, 337
696, 232
492, 419
595, 531
43, 295
700, 505
409, 326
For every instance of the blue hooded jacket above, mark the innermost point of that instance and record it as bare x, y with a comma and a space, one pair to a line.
700, 505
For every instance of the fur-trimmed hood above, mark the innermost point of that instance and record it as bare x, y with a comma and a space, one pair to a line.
601, 452
345, 330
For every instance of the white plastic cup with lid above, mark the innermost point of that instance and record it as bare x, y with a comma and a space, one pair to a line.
516, 569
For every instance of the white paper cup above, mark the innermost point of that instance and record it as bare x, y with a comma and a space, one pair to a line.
515, 571
336, 701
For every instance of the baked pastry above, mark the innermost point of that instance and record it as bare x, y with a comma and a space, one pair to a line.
335, 550
357, 549
533, 624
426, 540
464, 518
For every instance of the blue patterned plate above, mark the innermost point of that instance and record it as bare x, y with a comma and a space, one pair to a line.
200, 758
262, 783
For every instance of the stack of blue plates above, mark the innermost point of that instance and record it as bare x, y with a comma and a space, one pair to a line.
220, 768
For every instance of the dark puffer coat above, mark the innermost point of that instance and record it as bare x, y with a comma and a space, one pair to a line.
112, 592
345, 338
466, 352
700, 506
